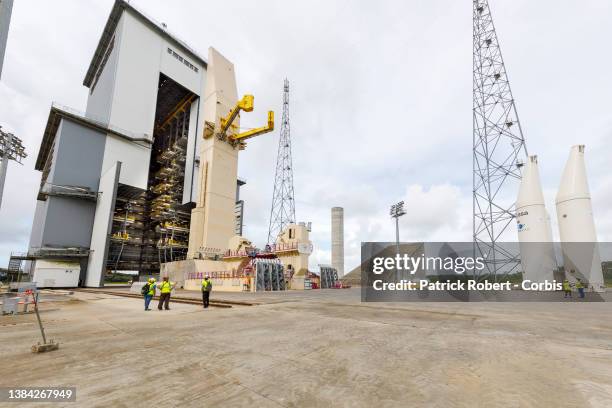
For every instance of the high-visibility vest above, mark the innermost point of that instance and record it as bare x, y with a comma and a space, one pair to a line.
566, 286
205, 285
151, 289
579, 285
165, 287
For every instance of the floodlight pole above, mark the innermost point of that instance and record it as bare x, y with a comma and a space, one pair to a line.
397, 233
11, 148
4, 164
397, 210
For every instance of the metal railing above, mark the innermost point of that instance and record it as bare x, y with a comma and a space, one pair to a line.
69, 191
58, 252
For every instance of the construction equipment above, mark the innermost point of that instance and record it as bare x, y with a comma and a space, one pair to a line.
269, 275
257, 131
245, 104
329, 277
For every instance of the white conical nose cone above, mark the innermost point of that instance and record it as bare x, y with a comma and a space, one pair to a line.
534, 232
574, 180
530, 191
581, 258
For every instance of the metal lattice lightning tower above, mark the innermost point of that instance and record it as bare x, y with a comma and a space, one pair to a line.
283, 203
498, 146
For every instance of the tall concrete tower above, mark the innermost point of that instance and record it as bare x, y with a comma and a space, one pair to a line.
337, 239
212, 220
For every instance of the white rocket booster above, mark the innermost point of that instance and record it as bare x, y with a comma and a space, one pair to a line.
576, 225
533, 223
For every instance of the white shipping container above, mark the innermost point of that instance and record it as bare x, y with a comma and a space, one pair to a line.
56, 274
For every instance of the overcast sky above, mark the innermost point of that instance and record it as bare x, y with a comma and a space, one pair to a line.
380, 102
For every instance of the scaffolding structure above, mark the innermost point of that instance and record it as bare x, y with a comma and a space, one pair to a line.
152, 227
128, 240
498, 145
167, 215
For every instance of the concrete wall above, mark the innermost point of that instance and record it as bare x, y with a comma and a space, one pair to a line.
221, 285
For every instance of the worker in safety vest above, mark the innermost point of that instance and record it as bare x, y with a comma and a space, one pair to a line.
148, 296
164, 297
567, 289
206, 289
580, 287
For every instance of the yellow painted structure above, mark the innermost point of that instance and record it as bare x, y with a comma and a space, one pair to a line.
212, 221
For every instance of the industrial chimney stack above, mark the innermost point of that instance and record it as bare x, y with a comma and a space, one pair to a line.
337, 239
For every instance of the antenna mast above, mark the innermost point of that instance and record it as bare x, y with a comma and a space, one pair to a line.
283, 203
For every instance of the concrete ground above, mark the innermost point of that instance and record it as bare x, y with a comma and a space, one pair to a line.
316, 348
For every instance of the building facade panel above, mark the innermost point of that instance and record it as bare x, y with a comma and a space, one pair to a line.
180, 67
80, 151
68, 222
40, 215
137, 77
76, 161
96, 266
134, 156
100, 98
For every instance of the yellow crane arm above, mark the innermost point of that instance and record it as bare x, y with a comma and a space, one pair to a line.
245, 104
257, 131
